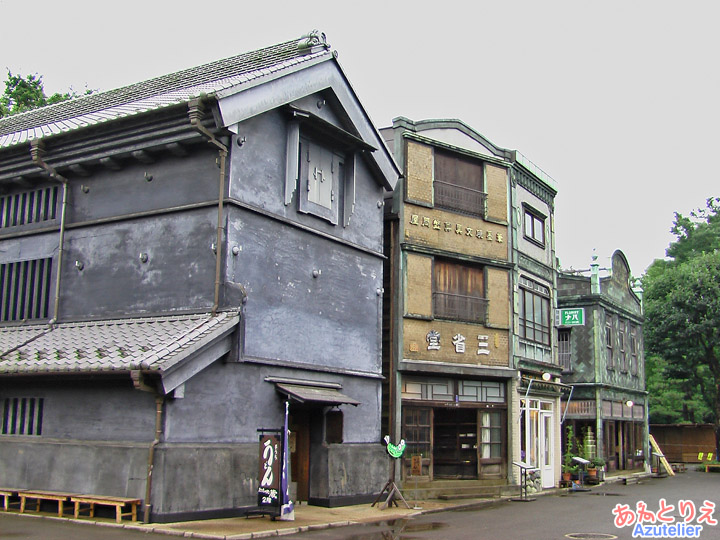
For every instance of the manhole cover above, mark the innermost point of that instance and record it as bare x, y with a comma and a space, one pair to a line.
607, 494
590, 536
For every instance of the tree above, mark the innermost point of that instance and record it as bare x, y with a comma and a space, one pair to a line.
682, 320
26, 93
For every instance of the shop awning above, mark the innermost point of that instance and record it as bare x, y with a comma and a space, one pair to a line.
315, 394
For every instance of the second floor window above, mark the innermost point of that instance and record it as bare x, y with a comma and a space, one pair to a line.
459, 292
609, 346
534, 312
28, 207
458, 183
25, 290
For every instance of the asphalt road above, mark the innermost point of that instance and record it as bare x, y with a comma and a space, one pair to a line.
586, 515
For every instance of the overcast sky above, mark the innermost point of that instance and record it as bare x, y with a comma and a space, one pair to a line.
616, 101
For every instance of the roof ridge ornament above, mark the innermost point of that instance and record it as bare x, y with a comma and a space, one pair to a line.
313, 39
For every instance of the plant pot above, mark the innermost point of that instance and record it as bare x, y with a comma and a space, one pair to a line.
592, 473
566, 476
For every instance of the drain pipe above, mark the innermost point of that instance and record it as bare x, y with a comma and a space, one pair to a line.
36, 151
159, 401
196, 112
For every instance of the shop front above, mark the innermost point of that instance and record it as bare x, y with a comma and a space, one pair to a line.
454, 429
538, 425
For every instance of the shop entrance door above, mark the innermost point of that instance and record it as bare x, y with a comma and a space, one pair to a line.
455, 443
299, 425
546, 449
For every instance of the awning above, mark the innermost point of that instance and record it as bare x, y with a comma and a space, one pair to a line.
315, 394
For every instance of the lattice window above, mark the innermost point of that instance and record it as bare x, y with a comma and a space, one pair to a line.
28, 207
22, 416
25, 290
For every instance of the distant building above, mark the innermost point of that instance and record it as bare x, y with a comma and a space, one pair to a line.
602, 358
534, 344
178, 258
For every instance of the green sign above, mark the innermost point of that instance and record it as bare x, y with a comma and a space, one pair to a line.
570, 317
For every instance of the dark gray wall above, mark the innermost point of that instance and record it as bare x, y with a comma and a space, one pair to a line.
329, 320
258, 179
230, 402
91, 410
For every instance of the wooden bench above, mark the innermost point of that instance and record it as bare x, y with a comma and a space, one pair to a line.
709, 466
42, 495
118, 502
6, 493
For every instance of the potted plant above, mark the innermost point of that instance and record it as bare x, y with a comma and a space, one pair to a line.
568, 467
595, 467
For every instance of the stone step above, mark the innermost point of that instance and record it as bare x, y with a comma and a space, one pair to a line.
458, 491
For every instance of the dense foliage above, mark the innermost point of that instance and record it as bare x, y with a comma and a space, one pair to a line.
682, 322
25, 93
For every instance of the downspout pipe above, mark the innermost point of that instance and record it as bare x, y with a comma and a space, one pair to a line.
196, 112
159, 402
36, 152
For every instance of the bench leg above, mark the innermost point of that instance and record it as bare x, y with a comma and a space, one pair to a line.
22, 504
5, 504
118, 513
134, 511
61, 505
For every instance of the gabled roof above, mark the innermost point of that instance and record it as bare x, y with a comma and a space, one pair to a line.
243, 86
160, 92
157, 344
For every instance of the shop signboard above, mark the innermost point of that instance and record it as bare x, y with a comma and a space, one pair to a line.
269, 474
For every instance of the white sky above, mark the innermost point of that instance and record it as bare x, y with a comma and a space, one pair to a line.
616, 100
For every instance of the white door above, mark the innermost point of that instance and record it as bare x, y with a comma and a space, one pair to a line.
546, 449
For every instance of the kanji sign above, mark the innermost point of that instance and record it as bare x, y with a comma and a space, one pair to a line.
570, 317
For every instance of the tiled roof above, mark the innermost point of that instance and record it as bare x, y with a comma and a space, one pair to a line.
160, 92
153, 343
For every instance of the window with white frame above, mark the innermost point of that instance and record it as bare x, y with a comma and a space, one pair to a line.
534, 225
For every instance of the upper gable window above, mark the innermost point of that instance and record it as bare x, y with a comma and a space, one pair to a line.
320, 167
458, 183
28, 207
534, 226
322, 171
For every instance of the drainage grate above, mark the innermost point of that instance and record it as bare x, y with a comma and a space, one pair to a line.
590, 536
606, 494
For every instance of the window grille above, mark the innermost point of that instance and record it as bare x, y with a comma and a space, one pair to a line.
22, 416
28, 207
564, 350
25, 290
458, 184
458, 292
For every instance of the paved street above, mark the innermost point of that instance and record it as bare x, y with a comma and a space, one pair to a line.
587, 515
546, 518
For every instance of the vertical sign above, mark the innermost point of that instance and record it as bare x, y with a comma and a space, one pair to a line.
270, 461
416, 465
